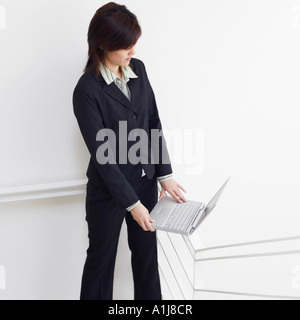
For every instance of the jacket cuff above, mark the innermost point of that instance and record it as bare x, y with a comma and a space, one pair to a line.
163, 178
133, 206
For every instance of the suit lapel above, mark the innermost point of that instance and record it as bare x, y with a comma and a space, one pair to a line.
113, 91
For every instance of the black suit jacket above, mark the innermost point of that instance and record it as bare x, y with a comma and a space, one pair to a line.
97, 106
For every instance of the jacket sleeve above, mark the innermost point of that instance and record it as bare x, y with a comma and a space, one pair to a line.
163, 163
90, 121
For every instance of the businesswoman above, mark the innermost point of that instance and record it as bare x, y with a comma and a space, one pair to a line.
114, 90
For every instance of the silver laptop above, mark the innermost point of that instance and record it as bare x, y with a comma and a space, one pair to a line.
183, 218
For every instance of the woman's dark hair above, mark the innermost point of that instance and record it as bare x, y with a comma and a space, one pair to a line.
112, 28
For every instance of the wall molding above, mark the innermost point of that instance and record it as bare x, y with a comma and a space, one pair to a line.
43, 191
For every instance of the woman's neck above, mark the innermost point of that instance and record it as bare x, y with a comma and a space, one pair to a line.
117, 70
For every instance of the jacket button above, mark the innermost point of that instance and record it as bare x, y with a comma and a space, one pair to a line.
134, 117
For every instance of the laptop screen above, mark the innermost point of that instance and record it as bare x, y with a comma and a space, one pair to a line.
211, 205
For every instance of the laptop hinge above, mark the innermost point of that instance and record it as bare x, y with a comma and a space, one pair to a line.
198, 217
190, 230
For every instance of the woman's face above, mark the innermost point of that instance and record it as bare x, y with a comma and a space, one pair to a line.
120, 57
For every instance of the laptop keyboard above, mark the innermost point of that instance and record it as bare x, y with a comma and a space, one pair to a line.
182, 216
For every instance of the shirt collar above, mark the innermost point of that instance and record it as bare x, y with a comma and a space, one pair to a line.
110, 77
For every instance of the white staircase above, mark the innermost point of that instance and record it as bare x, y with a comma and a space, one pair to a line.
268, 269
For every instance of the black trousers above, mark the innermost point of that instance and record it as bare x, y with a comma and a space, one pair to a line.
104, 220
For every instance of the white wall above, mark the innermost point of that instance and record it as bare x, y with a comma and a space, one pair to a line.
42, 247
236, 70
228, 71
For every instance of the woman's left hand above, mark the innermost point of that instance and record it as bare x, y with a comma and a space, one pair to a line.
172, 187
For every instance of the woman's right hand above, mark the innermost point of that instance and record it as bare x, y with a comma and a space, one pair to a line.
141, 215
